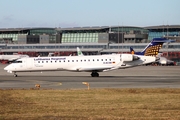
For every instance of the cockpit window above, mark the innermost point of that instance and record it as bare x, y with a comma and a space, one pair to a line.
17, 61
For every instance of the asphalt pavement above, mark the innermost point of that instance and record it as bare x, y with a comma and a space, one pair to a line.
137, 77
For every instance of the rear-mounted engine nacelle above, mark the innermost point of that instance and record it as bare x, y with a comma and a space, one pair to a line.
128, 57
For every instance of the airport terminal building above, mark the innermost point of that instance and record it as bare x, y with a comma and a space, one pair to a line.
91, 40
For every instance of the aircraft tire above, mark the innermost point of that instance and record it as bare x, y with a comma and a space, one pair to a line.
15, 75
94, 74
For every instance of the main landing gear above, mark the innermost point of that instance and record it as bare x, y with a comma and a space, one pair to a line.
15, 75
94, 74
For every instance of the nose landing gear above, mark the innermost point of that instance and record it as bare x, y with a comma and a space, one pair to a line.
15, 75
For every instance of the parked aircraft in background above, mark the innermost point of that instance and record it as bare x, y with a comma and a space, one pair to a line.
50, 54
92, 63
164, 61
79, 52
11, 58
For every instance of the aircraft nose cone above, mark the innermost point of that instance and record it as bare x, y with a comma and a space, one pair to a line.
7, 68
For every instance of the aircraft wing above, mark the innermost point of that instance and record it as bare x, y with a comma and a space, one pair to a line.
89, 68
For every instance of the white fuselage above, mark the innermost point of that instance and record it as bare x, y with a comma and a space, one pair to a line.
98, 63
12, 57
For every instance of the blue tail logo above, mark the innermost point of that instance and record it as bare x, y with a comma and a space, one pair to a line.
152, 49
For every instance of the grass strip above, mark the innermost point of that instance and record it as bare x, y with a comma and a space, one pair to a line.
135, 104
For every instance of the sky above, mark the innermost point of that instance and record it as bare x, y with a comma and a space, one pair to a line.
88, 13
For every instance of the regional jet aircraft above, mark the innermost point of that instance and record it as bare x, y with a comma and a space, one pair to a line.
92, 63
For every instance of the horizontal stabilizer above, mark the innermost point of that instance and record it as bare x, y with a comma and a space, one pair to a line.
163, 40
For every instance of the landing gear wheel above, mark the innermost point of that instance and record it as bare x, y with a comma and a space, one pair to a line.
94, 74
15, 75
97, 74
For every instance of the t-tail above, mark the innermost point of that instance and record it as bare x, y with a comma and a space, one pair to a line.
152, 49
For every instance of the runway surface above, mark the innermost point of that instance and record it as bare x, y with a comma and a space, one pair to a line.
137, 77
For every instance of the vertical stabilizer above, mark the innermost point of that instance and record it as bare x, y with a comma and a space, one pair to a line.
79, 53
152, 49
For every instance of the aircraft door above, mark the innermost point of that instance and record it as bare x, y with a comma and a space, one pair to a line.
29, 63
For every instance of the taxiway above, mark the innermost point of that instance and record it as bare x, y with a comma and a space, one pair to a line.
137, 77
